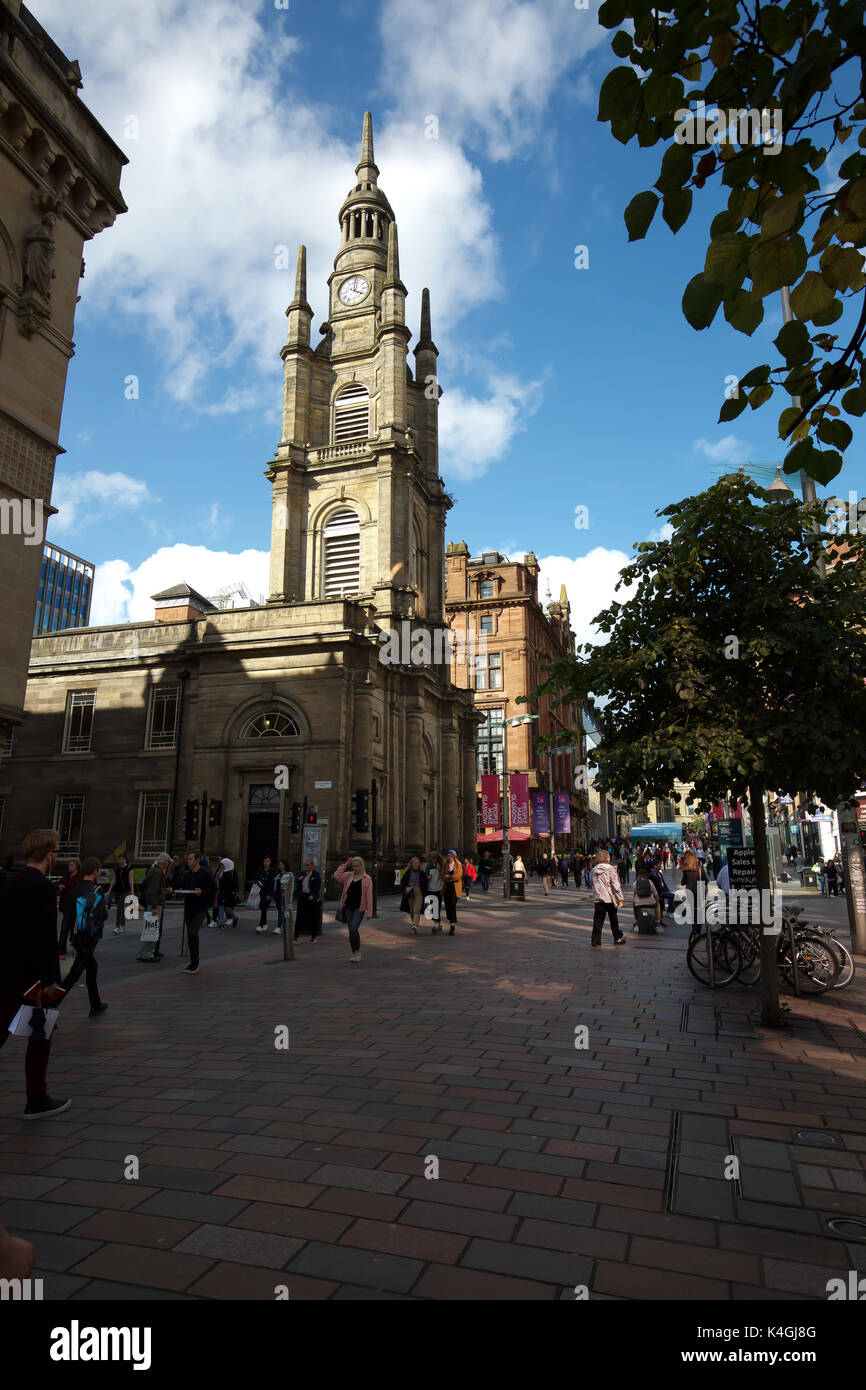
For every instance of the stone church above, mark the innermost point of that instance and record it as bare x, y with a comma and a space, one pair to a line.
263, 706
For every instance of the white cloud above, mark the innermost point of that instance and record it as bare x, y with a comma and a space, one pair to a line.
485, 68
726, 450
590, 581
83, 497
474, 432
122, 594
661, 533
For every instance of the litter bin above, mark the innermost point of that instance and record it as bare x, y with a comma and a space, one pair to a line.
517, 887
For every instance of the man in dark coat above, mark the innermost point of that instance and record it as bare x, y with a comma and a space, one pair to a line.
28, 959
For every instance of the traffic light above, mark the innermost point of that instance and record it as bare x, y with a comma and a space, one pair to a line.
312, 815
296, 817
192, 820
214, 813
361, 810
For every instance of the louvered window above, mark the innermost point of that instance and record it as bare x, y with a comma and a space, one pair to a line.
352, 414
341, 542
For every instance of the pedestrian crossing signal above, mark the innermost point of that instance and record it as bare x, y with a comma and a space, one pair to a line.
312, 815
192, 820
361, 810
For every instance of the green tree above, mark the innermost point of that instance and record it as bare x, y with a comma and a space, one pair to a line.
735, 664
782, 226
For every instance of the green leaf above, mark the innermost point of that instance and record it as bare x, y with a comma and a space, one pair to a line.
724, 221
676, 207
842, 268
854, 401
794, 344
820, 464
691, 68
612, 13
781, 215
662, 95
732, 407
722, 49
639, 214
773, 264
619, 95
832, 314
760, 395
726, 260
622, 43
757, 376
835, 432
812, 296
676, 168
744, 312
700, 302
786, 420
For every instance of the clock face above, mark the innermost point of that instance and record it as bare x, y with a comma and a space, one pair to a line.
353, 290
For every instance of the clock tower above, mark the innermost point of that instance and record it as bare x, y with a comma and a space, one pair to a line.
358, 505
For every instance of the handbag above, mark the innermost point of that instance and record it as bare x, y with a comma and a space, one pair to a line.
150, 927
340, 914
255, 895
21, 1025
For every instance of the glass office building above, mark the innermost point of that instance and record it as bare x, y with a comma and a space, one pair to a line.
65, 591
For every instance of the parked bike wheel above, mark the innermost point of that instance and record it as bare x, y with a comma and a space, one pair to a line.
727, 960
749, 943
846, 966
817, 963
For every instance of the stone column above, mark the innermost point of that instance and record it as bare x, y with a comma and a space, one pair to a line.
413, 824
449, 779
470, 819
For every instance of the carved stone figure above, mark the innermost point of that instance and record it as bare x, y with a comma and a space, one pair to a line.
39, 248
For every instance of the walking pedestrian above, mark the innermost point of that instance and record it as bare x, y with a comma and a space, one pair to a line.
543, 868
453, 879
88, 911
154, 892
28, 959
120, 889
65, 888
227, 894
469, 876
414, 885
563, 869
308, 894
356, 901
608, 897
176, 872
436, 887
199, 889
832, 878
266, 878
485, 869
285, 895
693, 874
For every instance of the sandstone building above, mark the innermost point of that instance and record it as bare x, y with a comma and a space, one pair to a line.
59, 186
262, 706
504, 640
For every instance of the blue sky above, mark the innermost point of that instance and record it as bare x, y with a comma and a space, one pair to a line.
563, 387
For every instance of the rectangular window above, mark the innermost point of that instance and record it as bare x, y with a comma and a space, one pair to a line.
151, 836
495, 670
486, 589
488, 671
68, 821
490, 745
79, 721
162, 716
487, 624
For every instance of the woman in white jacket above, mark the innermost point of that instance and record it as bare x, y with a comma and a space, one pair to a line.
608, 897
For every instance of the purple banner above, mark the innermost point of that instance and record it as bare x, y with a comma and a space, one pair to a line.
540, 817
562, 813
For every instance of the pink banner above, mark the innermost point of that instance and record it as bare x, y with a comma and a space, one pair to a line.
540, 817
490, 818
519, 805
562, 813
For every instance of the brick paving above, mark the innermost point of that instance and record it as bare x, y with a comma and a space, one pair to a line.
558, 1167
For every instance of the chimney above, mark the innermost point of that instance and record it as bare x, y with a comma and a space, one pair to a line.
181, 604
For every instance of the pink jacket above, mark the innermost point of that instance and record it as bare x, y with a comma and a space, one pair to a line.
345, 876
605, 881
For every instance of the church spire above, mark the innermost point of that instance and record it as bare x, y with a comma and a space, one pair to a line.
367, 169
392, 273
300, 297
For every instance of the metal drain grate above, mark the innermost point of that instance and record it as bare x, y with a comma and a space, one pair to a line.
848, 1227
684, 1019
818, 1138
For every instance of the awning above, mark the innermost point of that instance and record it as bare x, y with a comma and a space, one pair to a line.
664, 830
488, 837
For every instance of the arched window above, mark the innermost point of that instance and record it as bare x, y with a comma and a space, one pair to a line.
271, 723
352, 414
341, 554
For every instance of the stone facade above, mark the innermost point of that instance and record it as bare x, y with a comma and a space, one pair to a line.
266, 702
503, 641
59, 186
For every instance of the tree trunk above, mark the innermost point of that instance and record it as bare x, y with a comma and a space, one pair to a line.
771, 1016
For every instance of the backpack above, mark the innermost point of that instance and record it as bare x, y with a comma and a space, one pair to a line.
85, 927
643, 889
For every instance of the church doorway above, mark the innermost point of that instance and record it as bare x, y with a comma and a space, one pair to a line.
263, 827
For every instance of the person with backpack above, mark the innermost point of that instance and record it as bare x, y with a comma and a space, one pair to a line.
120, 887
153, 893
227, 894
646, 904
28, 958
88, 911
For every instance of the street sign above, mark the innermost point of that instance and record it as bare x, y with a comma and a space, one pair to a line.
742, 866
323, 786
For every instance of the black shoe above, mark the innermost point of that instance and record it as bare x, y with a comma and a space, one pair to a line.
157, 955
190, 970
37, 1109
451, 932
100, 1009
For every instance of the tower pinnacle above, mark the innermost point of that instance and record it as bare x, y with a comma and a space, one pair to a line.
367, 170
